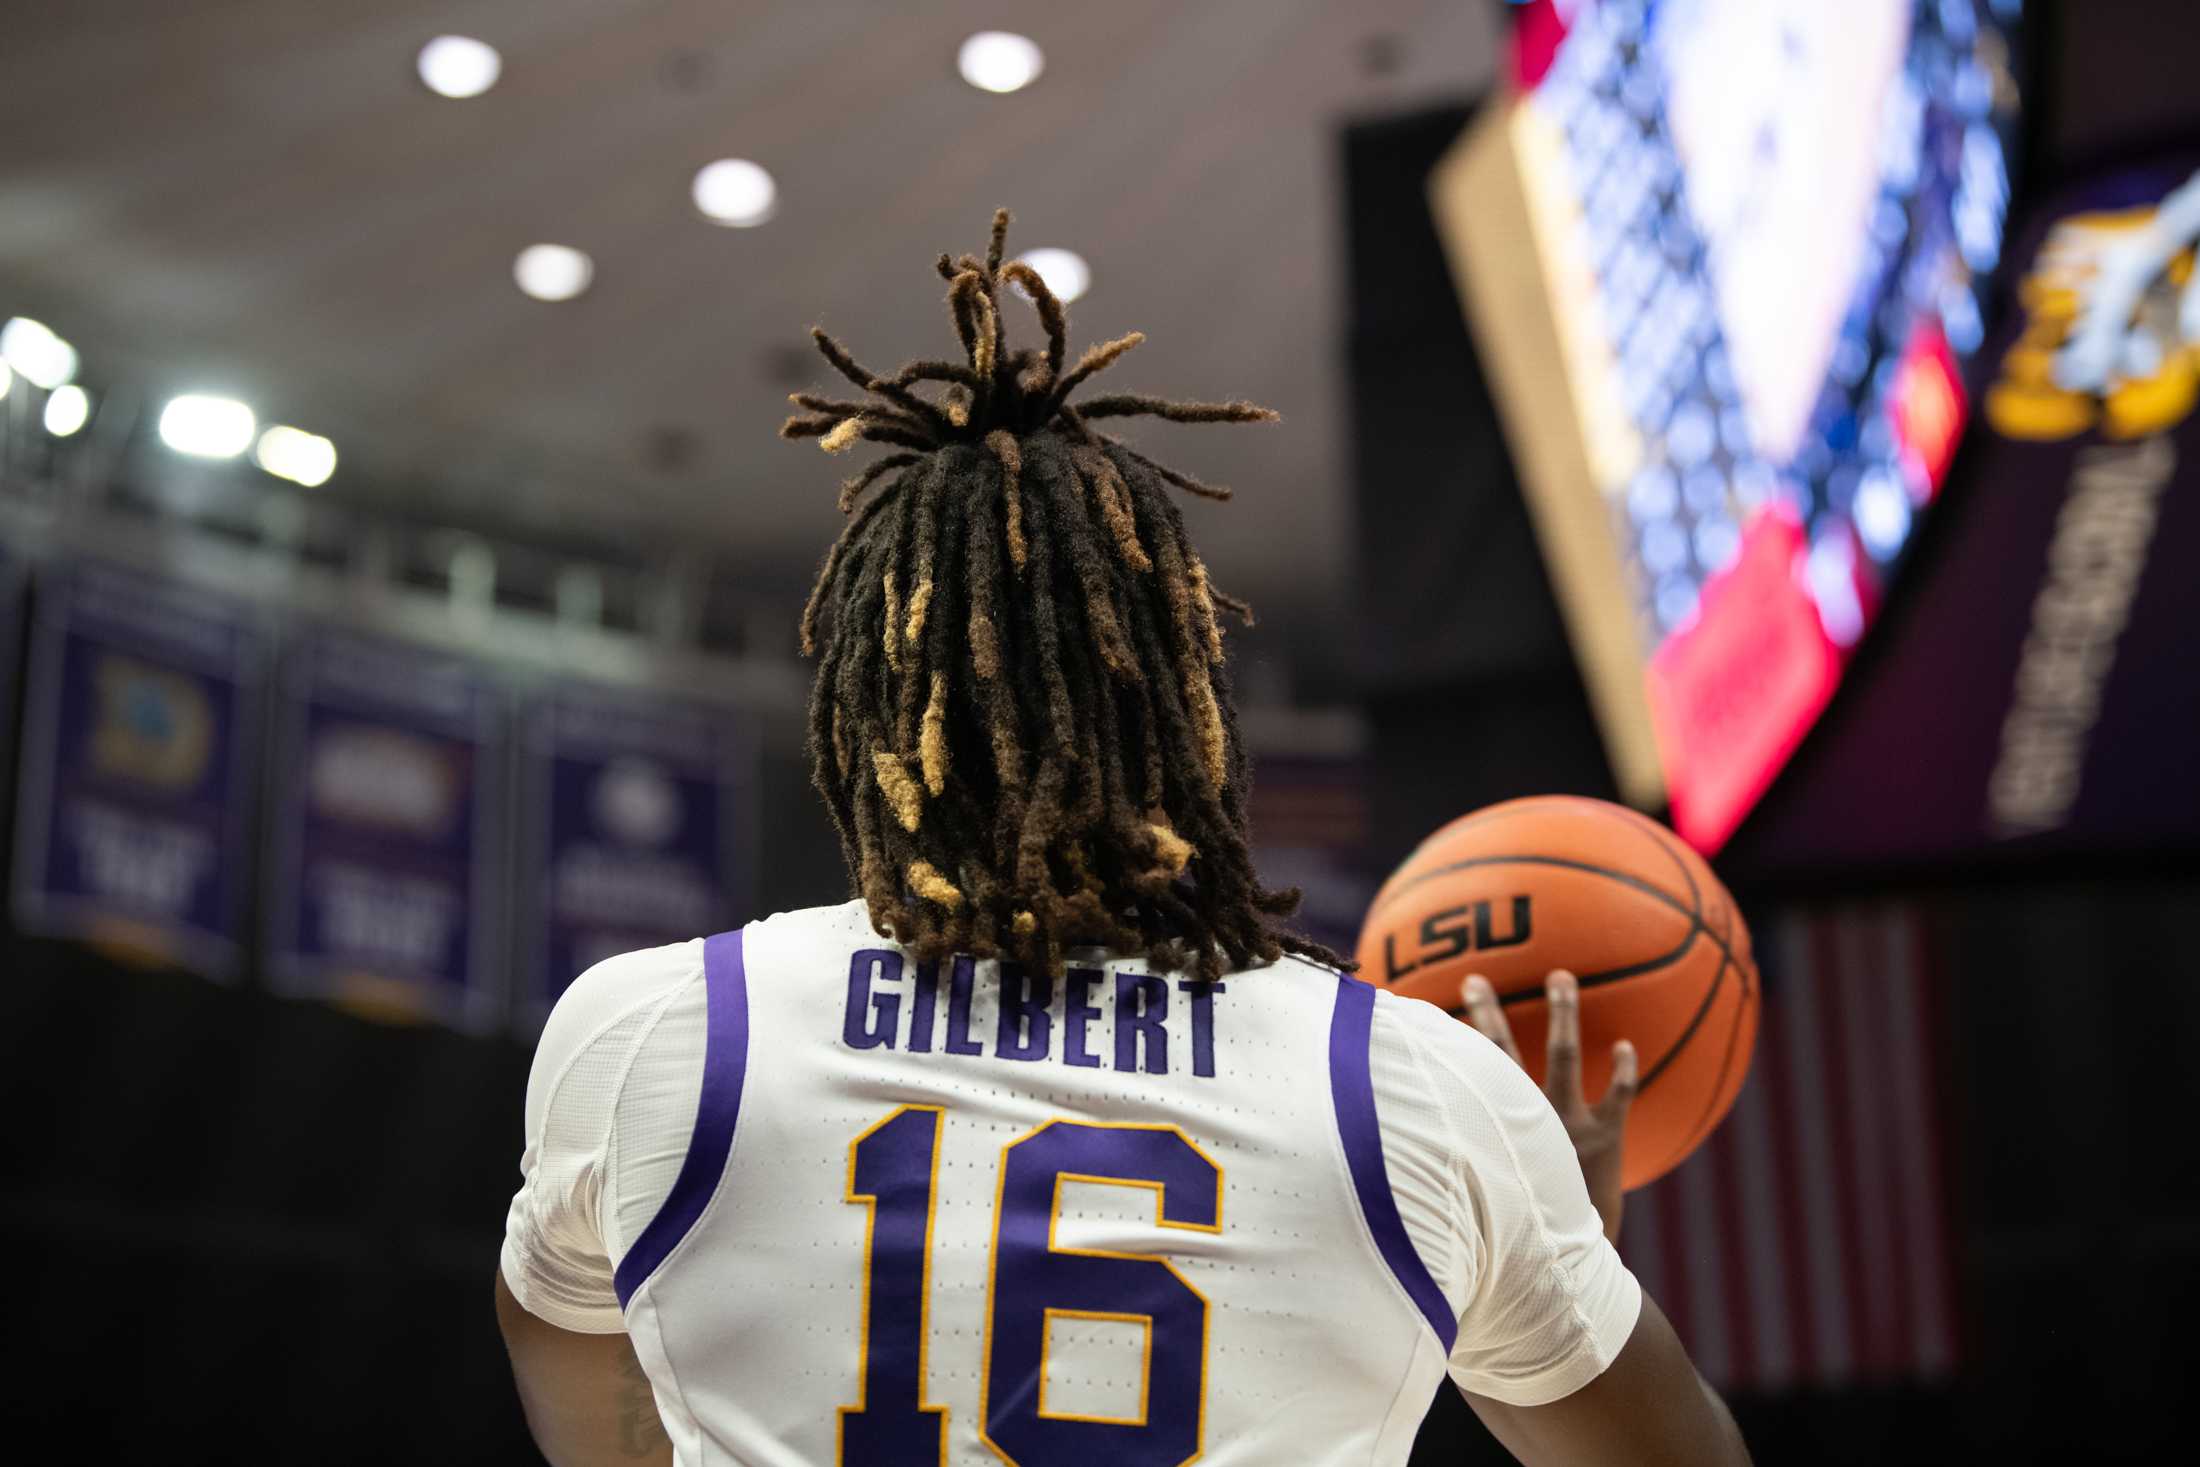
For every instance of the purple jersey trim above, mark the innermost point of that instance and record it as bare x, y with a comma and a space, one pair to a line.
725, 1065
1352, 1090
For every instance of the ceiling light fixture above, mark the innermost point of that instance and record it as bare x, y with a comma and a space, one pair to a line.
207, 427
68, 409
294, 454
553, 272
1000, 61
459, 66
1064, 271
736, 193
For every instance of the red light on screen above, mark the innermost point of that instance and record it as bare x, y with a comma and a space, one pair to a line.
1538, 31
1928, 404
1732, 692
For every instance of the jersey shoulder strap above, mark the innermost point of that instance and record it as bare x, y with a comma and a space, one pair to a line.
1352, 1093
717, 1114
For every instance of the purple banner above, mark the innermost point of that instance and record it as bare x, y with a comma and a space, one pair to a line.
388, 833
134, 809
635, 831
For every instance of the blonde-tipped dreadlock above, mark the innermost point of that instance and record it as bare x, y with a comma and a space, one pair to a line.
1022, 720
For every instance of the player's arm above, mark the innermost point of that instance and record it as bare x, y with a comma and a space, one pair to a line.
586, 1398
557, 1299
1648, 1409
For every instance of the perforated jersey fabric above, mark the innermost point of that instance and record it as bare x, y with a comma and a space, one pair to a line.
1488, 1186
610, 1106
752, 1328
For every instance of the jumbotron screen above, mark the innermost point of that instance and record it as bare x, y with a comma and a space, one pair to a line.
1763, 232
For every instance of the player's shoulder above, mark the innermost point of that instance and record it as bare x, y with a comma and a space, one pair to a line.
837, 922
1449, 1052
801, 935
615, 990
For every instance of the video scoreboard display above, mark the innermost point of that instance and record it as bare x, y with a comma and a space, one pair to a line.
1728, 261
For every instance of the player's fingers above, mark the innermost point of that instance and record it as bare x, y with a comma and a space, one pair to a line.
1620, 1094
1562, 1064
1487, 1014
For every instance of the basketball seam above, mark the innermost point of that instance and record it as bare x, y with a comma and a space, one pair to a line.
1646, 969
1718, 981
1664, 840
1704, 1122
1658, 1069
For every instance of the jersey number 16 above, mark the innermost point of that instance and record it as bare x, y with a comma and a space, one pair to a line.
893, 1171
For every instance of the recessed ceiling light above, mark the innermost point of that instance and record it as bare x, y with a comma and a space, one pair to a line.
459, 66
553, 272
735, 192
206, 427
67, 410
42, 358
1000, 61
293, 454
1064, 271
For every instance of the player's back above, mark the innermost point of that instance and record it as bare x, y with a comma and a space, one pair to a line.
870, 1211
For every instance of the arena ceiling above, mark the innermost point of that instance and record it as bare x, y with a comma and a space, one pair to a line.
259, 196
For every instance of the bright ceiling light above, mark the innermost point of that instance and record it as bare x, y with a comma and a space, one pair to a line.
31, 348
735, 192
294, 454
553, 272
459, 66
1064, 271
1000, 61
206, 427
67, 410
7, 379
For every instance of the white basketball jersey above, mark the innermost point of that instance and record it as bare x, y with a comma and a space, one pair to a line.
955, 1212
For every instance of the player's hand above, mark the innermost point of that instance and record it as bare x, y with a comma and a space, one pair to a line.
1596, 1130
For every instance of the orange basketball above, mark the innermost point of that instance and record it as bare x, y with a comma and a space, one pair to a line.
1518, 889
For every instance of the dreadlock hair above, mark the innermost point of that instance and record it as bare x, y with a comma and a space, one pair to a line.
1022, 721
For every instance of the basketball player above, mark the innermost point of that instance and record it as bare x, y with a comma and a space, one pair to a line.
1054, 1146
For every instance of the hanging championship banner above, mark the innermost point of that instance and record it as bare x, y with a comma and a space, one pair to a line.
133, 815
388, 835
635, 830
